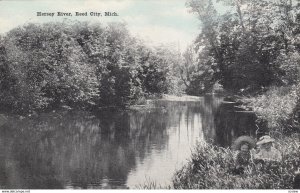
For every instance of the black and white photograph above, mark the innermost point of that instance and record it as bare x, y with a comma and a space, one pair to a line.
149, 95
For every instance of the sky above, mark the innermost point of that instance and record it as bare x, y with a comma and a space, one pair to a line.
154, 21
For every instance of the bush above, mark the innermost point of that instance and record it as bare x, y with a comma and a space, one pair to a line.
276, 106
210, 168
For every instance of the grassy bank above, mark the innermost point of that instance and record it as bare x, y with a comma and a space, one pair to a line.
210, 168
278, 107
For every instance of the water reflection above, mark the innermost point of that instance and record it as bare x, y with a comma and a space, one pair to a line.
111, 149
231, 122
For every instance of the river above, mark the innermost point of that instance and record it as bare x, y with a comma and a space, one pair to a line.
114, 149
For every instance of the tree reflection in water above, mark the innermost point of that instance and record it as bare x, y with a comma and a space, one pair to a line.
110, 149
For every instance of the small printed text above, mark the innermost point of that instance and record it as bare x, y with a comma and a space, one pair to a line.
76, 14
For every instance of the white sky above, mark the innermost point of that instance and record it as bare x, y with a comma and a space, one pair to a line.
155, 21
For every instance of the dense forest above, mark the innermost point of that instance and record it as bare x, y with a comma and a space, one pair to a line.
82, 65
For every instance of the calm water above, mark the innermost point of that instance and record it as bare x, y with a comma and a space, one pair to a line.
113, 149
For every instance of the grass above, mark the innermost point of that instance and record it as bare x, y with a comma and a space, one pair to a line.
150, 184
277, 106
210, 168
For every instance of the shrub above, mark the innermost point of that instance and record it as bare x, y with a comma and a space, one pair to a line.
276, 106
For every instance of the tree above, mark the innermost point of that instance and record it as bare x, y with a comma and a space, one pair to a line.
78, 64
246, 43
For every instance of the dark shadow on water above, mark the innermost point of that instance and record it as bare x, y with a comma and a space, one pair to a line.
83, 150
232, 122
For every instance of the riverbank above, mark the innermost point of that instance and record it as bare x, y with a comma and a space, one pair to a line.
144, 105
210, 166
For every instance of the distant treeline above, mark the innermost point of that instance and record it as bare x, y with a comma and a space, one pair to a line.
44, 66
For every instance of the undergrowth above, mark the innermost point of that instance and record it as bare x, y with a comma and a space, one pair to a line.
211, 168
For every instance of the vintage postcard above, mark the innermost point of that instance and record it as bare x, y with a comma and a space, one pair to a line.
149, 94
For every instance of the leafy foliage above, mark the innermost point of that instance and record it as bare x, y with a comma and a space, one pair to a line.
79, 65
252, 46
